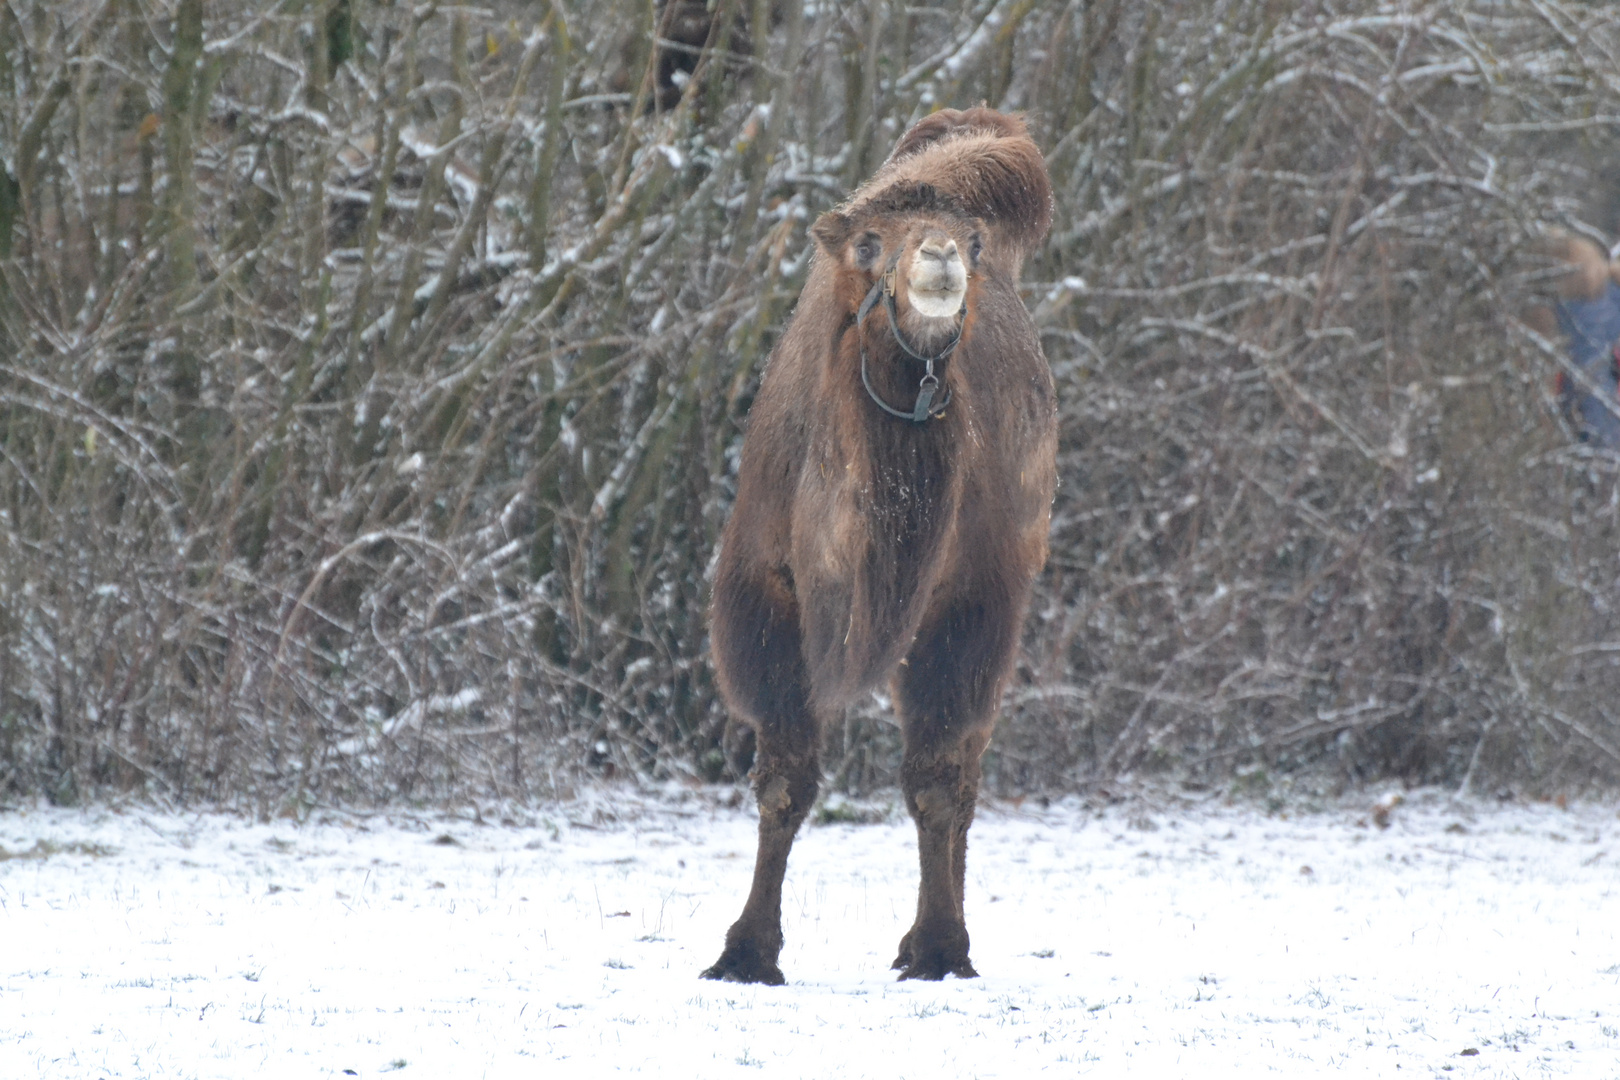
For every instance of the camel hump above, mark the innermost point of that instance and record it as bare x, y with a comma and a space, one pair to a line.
948, 122
981, 159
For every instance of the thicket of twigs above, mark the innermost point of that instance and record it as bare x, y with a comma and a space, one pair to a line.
372, 378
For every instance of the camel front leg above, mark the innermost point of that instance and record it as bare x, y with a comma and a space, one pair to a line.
946, 693
941, 786
786, 777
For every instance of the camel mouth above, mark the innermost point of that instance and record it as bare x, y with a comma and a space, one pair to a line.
936, 303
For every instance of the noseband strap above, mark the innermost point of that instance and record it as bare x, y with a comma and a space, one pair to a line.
924, 409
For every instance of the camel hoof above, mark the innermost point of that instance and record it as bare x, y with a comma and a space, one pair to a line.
932, 964
943, 951
743, 963
935, 968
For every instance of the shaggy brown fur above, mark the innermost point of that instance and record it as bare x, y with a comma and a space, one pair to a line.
865, 547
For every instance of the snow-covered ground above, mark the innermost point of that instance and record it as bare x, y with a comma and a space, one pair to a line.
1156, 937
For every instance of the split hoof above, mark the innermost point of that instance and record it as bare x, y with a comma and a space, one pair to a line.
935, 961
934, 968
743, 963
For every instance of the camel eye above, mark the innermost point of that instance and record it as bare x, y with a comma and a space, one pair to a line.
867, 251
975, 249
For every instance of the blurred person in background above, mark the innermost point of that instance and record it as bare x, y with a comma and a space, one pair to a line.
1586, 314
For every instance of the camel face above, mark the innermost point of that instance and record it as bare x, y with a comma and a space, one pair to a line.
934, 258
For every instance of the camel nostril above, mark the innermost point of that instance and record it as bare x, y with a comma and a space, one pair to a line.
940, 252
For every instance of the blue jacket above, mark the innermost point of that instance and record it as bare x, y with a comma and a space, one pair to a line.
1592, 328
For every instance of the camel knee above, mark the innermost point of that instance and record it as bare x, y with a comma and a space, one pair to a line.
934, 794
785, 796
942, 793
934, 807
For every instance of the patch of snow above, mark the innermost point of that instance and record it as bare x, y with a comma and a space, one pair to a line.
1148, 939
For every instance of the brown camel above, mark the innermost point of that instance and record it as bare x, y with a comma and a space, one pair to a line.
892, 508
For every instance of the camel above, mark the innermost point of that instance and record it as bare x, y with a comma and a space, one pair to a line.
893, 504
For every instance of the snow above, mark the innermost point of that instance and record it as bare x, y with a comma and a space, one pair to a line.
1164, 935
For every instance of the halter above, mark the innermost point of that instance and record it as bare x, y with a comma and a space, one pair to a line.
924, 409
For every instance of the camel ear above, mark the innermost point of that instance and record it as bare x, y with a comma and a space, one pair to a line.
831, 231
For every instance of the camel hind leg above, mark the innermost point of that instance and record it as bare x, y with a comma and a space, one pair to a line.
946, 693
757, 650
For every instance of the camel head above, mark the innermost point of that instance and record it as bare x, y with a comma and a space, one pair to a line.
932, 249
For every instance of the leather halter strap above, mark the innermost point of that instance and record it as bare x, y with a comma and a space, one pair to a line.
924, 409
